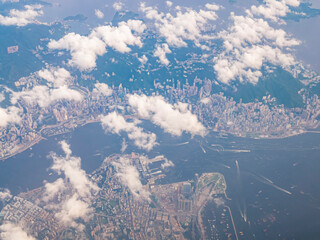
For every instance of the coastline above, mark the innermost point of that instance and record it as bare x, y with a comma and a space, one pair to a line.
22, 149
39, 138
80, 123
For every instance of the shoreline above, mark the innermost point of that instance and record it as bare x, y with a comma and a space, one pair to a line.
24, 148
40, 138
315, 130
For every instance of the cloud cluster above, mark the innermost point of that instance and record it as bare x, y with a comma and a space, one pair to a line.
78, 191
5, 194
51, 189
84, 50
251, 42
161, 52
44, 96
184, 25
56, 89
72, 209
116, 123
57, 76
273, 9
70, 166
117, 6
120, 37
9, 115
98, 13
22, 18
101, 89
174, 119
10, 231
130, 177
143, 59
169, 4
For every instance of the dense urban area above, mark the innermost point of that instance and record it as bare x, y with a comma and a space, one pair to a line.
258, 119
156, 211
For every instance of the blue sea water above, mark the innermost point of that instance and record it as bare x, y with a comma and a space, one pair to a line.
292, 164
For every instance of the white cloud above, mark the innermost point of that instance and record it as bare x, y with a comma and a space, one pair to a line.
124, 145
248, 44
22, 17
213, 7
143, 60
135, 25
77, 194
44, 96
5, 194
247, 65
10, 231
51, 189
246, 31
161, 51
66, 148
71, 167
169, 4
118, 6
101, 89
115, 123
129, 177
293, 3
120, 37
185, 25
98, 13
74, 208
274, 8
57, 76
2, 97
57, 89
174, 119
84, 50
9, 115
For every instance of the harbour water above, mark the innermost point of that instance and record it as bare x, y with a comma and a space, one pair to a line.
274, 189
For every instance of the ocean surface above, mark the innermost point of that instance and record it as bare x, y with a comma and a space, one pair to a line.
274, 189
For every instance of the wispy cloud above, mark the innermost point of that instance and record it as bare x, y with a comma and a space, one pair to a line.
10, 115
116, 123
129, 177
98, 13
10, 231
77, 190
